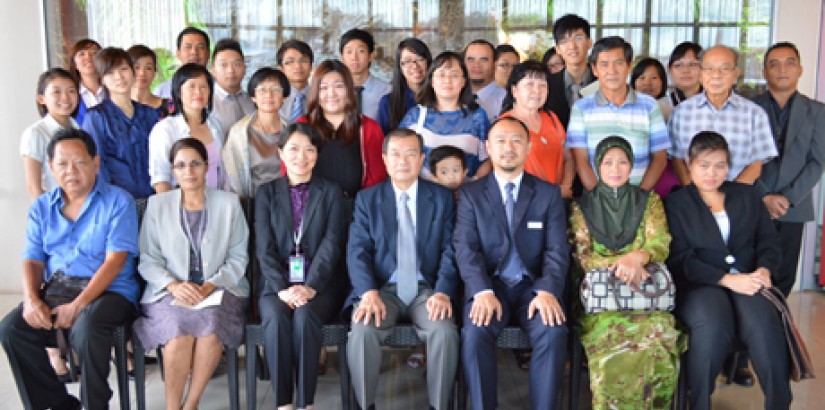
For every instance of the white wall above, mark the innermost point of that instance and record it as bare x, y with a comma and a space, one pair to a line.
798, 21
22, 48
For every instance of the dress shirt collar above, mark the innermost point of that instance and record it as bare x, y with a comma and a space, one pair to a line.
53, 126
489, 89
733, 100
223, 94
86, 93
587, 78
412, 193
56, 195
630, 98
502, 182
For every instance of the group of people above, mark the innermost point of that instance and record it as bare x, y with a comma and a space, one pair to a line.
454, 197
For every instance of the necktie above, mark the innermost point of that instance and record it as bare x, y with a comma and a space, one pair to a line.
511, 271
359, 92
237, 108
407, 282
297, 106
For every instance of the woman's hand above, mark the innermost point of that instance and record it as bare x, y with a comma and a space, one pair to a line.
744, 283
297, 295
186, 292
630, 267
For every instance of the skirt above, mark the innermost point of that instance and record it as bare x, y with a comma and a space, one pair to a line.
161, 322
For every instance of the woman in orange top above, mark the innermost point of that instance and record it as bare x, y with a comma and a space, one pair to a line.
527, 100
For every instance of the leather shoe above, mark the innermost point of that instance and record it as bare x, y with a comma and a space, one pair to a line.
743, 377
69, 403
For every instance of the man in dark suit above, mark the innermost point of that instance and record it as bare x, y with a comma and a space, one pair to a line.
511, 247
572, 36
401, 263
798, 125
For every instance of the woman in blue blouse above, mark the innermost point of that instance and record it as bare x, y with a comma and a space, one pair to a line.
120, 126
412, 59
447, 114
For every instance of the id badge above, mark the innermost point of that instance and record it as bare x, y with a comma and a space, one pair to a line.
296, 269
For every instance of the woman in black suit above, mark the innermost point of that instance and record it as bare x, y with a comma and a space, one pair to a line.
723, 251
298, 228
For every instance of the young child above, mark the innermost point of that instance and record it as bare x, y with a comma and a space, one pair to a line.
449, 166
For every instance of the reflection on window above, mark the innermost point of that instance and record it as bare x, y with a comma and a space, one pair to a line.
653, 27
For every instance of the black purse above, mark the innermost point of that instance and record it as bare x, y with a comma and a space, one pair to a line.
62, 289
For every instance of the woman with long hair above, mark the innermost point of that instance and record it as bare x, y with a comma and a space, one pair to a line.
412, 59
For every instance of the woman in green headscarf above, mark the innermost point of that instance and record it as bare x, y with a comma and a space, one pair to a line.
633, 359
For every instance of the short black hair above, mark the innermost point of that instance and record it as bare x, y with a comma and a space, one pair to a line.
707, 141
265, 74
443, 152
531, 69
502, 49
110, 58
192, 30
611, 43
548, 55
480, 41
781, 44
188, 143
46, 78
227, 44
70, 133
510, 119
402, 133
300, 128
682, 49
293, 44
640, 68
569, 23
185, 73
357, 34
138, 51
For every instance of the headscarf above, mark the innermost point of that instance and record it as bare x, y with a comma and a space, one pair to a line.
613, 215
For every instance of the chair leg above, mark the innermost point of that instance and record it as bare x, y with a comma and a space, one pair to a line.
232, 372
122, 367
251, 380
138, 356
343, 370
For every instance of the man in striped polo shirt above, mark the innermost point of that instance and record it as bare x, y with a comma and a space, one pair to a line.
615, 109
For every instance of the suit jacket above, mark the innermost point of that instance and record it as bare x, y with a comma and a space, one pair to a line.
795, 173
373, 237
697, 251
557, 96
321, 242
164, 247
481, 238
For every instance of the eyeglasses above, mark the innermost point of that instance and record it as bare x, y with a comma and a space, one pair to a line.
264, 90
681, 65
578, 39
725, 69
194, 164
417, 61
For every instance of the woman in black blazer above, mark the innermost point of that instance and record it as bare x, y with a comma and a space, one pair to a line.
298, 228
723, 251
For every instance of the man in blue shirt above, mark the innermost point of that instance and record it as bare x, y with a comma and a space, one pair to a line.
86, 228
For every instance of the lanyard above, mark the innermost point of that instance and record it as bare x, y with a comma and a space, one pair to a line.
196, 247
297, 235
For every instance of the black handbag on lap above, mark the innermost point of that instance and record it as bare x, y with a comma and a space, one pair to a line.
62, 288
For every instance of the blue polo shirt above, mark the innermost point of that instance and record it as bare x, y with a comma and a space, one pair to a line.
107, 222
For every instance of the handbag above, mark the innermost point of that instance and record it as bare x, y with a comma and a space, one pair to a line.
800, 361
602, 291
62, 288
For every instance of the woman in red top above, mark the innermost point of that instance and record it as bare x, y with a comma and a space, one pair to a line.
351, 142
527, 100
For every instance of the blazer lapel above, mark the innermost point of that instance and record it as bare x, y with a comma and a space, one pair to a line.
706, 219
494, 200
389, 218
525, 196
424, 218
313, 200
283, 215
798, 114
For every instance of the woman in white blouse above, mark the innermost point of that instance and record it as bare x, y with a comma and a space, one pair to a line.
192, 88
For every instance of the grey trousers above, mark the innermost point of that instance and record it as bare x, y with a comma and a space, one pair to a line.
440, 336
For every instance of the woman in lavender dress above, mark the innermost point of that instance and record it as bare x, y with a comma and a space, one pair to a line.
193, 254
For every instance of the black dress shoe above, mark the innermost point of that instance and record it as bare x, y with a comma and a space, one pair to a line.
69, 403
743, 377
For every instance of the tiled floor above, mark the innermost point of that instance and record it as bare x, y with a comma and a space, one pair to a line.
404, 388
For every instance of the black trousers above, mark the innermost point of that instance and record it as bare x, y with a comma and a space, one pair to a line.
790, 235
715, 317
293, 341
91, 337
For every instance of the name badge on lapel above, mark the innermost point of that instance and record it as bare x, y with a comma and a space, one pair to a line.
534, 225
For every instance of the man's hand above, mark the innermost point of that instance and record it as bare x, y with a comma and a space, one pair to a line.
485, 305
777, 205
67, 314
186, 292
36, 313
439, 306
370, 305
548, 307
